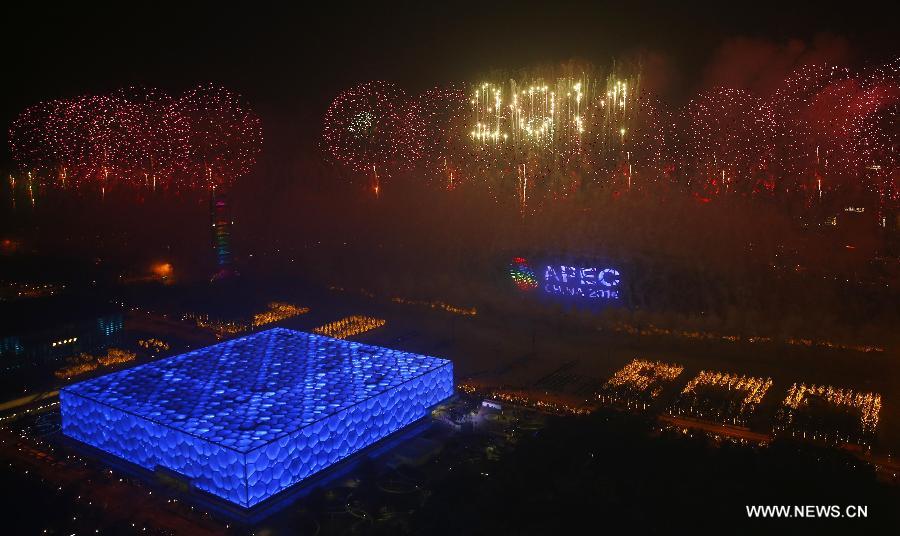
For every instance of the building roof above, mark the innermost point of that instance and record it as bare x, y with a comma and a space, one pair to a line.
249, 391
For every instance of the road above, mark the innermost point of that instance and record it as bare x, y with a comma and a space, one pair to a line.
734, 432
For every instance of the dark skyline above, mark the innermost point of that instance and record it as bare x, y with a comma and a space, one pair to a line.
291, 57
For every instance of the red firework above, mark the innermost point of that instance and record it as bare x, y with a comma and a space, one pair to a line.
373, 128
648, 146
224, 136
93, 139
443, 111
802, 153
31, 144
729, 138
139, 137
156, 146
881, 133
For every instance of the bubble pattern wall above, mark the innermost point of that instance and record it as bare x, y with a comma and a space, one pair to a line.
250, 417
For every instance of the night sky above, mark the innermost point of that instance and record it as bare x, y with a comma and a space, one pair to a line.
290, 63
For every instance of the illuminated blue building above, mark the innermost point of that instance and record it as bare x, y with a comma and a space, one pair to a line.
250, 417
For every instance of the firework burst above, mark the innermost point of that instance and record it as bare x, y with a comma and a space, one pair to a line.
225, 135
139, 137
729, 139
443, 114
374, 129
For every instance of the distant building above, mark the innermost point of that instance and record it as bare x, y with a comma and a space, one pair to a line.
47, 340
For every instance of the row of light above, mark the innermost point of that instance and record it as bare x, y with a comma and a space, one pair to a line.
755, 388
653, 330
436, 304
84, 363
868, 404
277, 312
642, 374
350, 326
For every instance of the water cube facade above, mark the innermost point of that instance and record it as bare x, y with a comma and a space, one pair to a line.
250, 417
